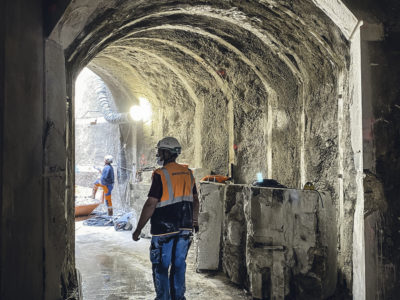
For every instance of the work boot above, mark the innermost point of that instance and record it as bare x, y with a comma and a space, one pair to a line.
110, 211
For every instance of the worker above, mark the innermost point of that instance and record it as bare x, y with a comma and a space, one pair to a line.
106, 181
173, 207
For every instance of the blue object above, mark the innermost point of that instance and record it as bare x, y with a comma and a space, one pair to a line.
100, 219
165, 251
259, 177
122, 223
107, 175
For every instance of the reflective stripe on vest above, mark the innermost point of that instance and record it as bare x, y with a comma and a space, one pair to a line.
171, 197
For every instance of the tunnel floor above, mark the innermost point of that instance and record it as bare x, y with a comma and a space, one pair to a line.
114, 267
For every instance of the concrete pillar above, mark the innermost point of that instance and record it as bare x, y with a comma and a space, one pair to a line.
290, 243
138, 194
21, 150
357, 146
350, 27
234, 235
210, 218
58, 215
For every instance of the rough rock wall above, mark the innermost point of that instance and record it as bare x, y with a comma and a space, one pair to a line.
251, 84
287, 250
248, 85
234, 236
276, 242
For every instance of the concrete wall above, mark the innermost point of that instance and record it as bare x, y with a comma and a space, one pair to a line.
275, 242
381, 98
36, 220
211, 219
58, 210
22, 215
138, 196
234, 236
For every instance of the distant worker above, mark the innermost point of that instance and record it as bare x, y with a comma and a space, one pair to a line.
106, 181
173, 207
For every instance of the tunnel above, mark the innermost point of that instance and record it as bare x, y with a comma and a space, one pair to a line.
247, 87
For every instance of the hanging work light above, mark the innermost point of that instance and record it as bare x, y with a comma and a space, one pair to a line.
141, 112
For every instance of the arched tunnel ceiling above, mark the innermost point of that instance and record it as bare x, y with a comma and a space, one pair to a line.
277, 45
251, 72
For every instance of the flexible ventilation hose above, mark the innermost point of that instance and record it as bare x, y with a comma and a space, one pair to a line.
104, 102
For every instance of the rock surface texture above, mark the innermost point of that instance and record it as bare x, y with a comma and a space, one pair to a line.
276, 242
247, 87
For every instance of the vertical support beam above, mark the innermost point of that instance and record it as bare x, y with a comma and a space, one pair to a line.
341, 147
69, 275
357, 145
56, 232
350, 27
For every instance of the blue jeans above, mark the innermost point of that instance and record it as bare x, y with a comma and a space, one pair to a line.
166, 251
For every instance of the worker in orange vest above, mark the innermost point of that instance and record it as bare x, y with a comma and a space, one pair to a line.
173, 207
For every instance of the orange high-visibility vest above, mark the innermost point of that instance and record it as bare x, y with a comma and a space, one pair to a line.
177, 181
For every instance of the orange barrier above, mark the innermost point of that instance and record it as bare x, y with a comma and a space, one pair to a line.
85, 210
215, 178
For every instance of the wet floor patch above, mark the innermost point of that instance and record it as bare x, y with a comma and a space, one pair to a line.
114, 267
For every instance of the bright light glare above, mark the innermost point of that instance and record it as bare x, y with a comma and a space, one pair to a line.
146, 109
135, 113
141, 112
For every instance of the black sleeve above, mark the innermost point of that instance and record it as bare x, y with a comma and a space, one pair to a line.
156, 187
194, 189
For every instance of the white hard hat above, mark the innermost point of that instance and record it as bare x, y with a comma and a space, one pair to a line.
108, 158
171, 144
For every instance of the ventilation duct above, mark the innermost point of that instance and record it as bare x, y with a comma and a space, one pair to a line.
104, 103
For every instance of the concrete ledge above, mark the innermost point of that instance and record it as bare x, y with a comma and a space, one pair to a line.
275, 242
138, 198
210, 220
